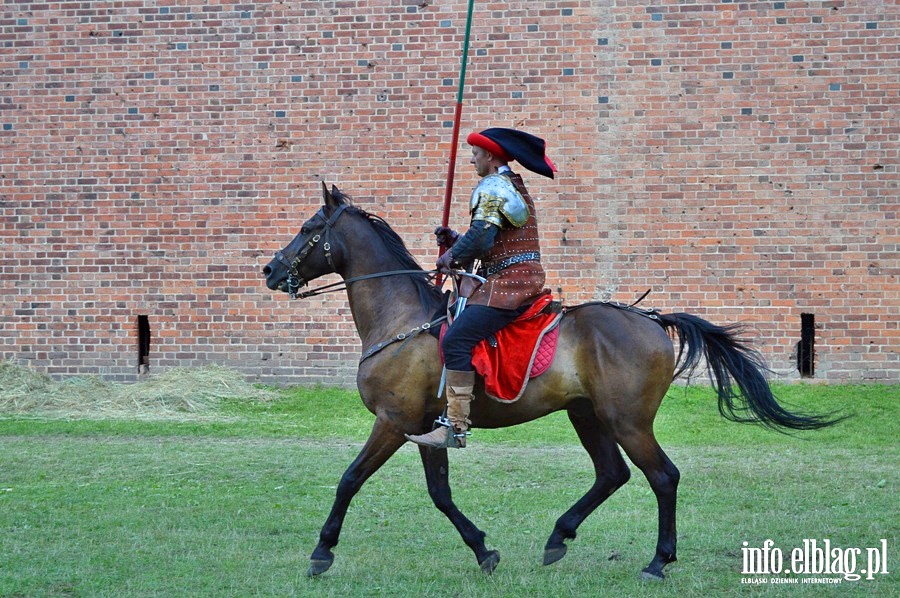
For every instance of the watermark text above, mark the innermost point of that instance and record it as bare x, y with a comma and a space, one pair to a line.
830, 564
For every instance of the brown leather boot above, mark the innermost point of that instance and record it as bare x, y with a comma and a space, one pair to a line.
451, 433
460, 394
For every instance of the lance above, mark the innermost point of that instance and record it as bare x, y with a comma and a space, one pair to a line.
451, 169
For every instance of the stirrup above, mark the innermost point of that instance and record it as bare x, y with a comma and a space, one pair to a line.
454, 439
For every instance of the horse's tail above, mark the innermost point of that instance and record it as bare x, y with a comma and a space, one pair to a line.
729, 362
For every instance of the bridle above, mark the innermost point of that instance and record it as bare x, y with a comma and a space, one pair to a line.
295, 282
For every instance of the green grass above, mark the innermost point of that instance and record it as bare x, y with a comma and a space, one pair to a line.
230, 504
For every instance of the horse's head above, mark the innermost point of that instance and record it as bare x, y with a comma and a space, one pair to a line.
313, 252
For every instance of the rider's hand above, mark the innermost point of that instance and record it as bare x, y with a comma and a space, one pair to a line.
446, 236
444, 263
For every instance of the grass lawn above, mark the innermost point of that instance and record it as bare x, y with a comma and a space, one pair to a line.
230, 503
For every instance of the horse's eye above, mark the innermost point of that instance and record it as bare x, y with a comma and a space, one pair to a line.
304, 230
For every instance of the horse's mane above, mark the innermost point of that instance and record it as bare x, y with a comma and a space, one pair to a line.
429, 295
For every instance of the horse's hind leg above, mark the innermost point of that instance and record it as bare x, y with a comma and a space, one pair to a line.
611, 474
437, 476
383, 442
643, 450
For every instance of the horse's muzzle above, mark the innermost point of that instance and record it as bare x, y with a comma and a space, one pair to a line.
274, 281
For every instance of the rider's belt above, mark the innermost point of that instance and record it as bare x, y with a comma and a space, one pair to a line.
492, 268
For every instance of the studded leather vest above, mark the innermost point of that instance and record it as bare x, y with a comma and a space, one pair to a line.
512, 266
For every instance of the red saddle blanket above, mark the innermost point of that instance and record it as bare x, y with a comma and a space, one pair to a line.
523, 350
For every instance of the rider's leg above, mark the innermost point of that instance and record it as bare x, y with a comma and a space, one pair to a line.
451, 433
473, 325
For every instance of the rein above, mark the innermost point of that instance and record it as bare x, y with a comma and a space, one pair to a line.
342, 285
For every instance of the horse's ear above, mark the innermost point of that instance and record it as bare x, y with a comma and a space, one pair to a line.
332, 198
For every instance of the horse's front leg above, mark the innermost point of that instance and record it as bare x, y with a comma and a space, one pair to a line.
383, 442
437, 475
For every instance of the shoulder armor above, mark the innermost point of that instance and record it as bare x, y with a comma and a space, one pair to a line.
496, 199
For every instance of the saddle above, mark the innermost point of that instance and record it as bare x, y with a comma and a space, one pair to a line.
521, 350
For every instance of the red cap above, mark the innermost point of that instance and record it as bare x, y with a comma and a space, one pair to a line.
479, 140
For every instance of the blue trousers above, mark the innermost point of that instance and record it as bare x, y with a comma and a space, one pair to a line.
474, 324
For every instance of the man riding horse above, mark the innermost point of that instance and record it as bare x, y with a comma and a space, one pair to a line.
610, 373
503, 234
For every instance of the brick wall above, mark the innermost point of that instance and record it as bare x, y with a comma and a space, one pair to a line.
739, 158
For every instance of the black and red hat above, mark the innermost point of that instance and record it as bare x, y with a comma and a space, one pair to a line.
509, 144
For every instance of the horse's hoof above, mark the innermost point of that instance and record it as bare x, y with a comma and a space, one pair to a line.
318, 566
648, 575
490, 562
551, 555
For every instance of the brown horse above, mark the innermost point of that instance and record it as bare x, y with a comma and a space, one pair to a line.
610, 373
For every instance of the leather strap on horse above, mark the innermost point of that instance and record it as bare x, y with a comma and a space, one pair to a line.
647, 313
294, 281
403, 336
641, 298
